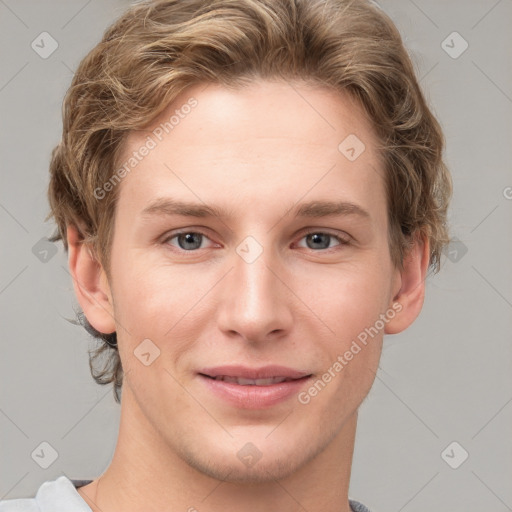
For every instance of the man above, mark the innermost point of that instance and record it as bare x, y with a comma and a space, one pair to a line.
251, 194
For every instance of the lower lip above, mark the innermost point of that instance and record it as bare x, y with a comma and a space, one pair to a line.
254, 397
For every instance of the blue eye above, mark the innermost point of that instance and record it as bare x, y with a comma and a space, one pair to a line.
315, 240
188, 241
319, 240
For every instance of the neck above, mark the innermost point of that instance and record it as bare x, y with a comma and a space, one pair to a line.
145, 474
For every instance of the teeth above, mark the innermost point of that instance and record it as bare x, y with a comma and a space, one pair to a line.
252, 382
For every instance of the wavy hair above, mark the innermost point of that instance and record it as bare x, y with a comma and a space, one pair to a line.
156, 49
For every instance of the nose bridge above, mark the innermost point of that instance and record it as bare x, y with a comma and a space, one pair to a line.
255, 304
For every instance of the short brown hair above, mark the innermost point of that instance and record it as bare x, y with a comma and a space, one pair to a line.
159, 48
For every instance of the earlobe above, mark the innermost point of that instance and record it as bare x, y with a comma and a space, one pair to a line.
408, 301
90, 283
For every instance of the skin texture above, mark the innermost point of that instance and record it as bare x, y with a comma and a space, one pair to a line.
257, 153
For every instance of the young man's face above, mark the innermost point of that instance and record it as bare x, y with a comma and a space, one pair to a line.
278, 278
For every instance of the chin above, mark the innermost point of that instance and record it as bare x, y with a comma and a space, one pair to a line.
263, 461
233, 471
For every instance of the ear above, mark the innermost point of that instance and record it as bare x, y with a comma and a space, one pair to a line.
410, 292
90, 283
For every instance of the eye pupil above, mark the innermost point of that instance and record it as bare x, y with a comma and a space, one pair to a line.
189, 241
322, 239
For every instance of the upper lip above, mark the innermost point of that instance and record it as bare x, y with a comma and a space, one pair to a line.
264, 372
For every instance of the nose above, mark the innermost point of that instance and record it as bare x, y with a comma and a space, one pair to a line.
256, 301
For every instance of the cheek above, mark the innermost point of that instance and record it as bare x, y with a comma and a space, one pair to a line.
155, 294
351, 348
347, 299
163, 303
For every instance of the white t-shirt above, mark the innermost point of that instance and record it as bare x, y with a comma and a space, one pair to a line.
60, 495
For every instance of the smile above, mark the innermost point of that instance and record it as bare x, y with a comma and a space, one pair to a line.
241, 381
253, 388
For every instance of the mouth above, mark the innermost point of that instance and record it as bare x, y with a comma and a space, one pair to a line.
241, 381
253, 388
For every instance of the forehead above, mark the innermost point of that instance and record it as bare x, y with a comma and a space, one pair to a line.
230, 146
293, 109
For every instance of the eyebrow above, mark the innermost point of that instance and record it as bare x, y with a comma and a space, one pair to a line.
312, 209
315, 209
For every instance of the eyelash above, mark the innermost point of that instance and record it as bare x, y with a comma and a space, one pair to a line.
341, 240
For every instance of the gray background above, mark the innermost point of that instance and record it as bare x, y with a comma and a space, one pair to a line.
447, 378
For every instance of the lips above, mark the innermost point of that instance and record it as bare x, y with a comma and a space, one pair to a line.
241, 381
253, 388
253, 374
